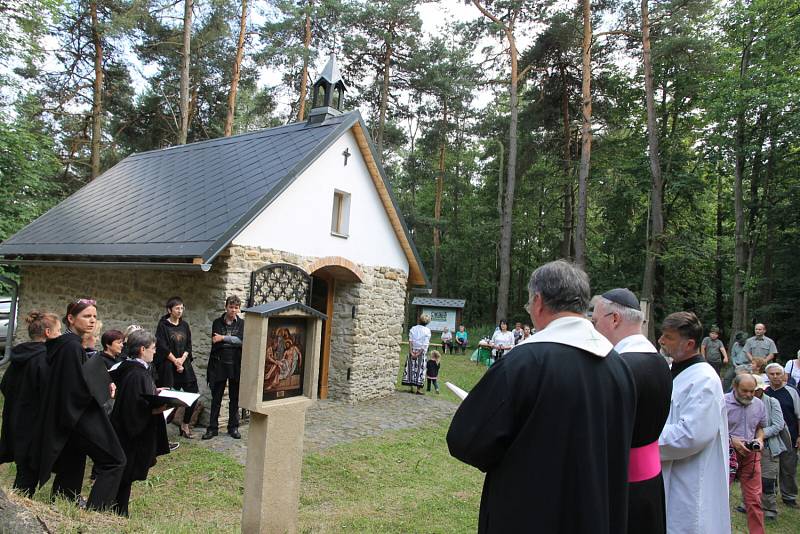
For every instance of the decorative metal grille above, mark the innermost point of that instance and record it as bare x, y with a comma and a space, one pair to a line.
279, 281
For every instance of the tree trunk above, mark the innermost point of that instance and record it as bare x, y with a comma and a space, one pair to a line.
657, 191
237, 66
566, 239
97, 95
301, 107
387, 66
766, 274
183, 130
511, 178
586, 136
740, 269
500, 185
718, 291
437, 211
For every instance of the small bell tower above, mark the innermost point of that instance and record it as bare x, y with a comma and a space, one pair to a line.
328, 93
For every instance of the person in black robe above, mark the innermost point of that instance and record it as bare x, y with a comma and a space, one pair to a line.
225, 364
618, 316
74, 423
21, 387
113, 345
141, 427
551, 423
173, 358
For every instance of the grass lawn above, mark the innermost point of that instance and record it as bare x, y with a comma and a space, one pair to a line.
400, 482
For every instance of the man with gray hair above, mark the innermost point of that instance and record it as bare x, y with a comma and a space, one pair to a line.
790, 406
618, 316
551, 423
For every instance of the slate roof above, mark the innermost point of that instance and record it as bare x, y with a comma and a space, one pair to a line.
278, 306
186, 201
438, 303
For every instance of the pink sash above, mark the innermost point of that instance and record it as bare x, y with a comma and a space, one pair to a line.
645, 463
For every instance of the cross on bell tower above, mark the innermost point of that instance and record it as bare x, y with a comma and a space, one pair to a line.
328, 93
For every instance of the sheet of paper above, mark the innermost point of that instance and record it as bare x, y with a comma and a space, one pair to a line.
460, 393
167, 412
185, 396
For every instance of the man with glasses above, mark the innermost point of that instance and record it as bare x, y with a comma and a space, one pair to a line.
551, 423
618, 316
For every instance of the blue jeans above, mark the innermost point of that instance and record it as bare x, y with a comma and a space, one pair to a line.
435, 382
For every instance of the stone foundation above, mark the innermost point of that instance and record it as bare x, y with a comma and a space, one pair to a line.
367, 345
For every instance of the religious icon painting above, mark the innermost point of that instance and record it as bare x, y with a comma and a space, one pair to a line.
284, 358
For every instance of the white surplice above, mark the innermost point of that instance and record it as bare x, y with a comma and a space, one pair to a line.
694, 454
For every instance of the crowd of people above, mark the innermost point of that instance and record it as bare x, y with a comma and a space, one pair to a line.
585, 426
66, 402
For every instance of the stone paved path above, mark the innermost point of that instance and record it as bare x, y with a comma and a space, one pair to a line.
330, 423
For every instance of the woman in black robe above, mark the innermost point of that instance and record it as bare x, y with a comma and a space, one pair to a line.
73, 423
22, 388
140, 427
173, 357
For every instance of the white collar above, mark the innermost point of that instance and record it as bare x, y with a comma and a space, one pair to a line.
576, 332
634, 343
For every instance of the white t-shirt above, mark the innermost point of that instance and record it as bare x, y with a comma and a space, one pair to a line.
505, 339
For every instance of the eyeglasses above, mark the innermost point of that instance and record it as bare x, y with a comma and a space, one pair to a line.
595, 319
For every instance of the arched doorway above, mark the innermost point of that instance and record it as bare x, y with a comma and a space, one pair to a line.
325, 273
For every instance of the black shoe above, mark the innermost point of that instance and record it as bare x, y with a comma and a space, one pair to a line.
741, 509
173, 445
209, 434
234, 434
790, 504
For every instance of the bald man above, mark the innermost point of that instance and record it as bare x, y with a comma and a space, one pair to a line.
619, 318
760, 346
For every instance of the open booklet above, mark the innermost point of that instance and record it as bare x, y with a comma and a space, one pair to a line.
460, 393
172, 398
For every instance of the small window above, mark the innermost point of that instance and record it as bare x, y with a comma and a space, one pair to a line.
340, 218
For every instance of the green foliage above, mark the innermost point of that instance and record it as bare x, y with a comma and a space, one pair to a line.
439, 94
27, 171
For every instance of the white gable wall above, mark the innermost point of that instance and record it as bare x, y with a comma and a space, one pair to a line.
299, 219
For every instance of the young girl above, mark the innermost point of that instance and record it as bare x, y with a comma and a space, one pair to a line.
432, 370
141, 428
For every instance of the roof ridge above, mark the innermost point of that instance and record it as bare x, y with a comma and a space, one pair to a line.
257, 134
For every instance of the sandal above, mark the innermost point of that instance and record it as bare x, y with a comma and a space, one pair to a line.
186, 434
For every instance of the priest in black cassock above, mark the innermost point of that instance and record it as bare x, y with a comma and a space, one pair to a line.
551, 423
618, 316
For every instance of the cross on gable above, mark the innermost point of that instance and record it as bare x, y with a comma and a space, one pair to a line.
346, 155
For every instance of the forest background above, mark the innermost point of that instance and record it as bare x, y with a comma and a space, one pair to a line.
653, 142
